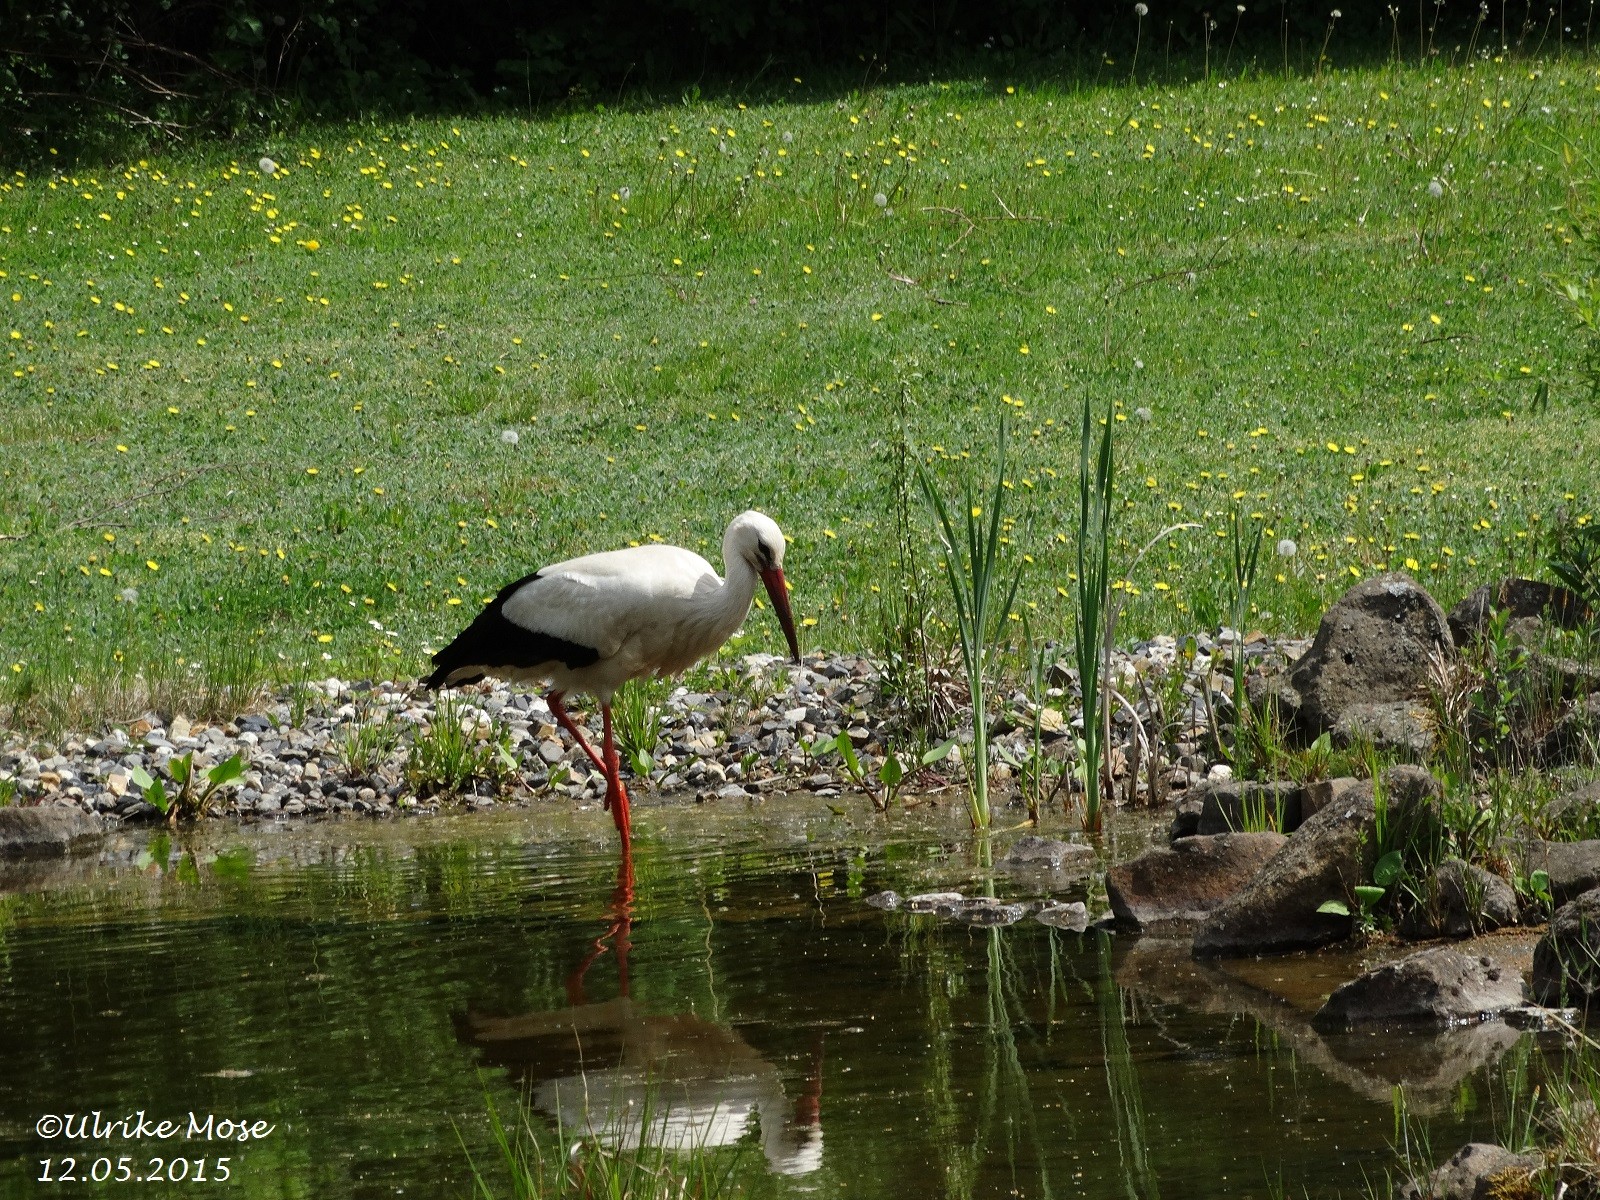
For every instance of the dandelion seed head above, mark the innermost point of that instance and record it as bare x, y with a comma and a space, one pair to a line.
1141, 10
1287, 548
880, 200
268, 167
1144, 414
624, 193
129, 595
509, 437
1435, 188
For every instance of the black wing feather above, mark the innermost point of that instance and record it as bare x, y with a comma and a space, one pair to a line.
492, 643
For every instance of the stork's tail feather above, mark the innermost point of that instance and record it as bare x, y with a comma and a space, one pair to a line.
454, 666
493, 644
441, 677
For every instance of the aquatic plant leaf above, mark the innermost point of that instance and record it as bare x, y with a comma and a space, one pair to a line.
1388, 869
892, 771
225, 771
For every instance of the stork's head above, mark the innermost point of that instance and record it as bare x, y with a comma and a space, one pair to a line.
755, 538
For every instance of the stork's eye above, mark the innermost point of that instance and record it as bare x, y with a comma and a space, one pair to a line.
764, 555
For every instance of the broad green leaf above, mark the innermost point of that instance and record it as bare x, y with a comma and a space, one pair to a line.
892, 772
1388, 869
141, 777
180, 767
225, 771
156, 794
847, 751
1368, 895
825, 745
942, 750
1337, 908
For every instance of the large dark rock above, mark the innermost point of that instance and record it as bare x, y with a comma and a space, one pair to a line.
1573, 867
1566, 962
1396, 726
1411, 790
1527, 602
1233, 805
1442, 986
1371, 649
1322, 860
1318, 795
1574, 814
1186, 814
1571, 740
1325, 859
1472, 1173
1170, 889
46, 830
1558, 676
1463, 900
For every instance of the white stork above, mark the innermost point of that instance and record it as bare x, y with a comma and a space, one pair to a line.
591, 624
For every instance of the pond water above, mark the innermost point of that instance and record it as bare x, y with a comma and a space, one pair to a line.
367, 990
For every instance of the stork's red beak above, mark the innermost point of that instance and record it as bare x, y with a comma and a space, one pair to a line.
779, 591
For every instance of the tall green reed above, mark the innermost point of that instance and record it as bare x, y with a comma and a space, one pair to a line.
972, 568
1096, 473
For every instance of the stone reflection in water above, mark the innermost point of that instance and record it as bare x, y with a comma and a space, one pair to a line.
1429, 1065
631, 1078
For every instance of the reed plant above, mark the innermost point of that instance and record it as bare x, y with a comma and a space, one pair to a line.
455, 754
974, 572
637, 713
1096, 474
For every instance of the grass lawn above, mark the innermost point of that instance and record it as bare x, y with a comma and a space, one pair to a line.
258, 426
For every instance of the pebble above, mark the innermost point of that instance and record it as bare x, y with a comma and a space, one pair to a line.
1064, 916
928, 902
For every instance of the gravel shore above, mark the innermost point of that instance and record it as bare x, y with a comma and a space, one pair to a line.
302, 754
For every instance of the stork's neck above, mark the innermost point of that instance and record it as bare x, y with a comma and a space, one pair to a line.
738, 589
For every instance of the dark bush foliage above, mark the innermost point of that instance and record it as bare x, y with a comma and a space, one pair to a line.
78, 71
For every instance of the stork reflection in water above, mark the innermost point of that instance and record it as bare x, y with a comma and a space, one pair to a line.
631, 1078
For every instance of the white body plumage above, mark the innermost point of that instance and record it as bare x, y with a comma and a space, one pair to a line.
590, 624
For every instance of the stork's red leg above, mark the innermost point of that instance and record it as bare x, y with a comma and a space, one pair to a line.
616, 794
615, 937
563, 719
